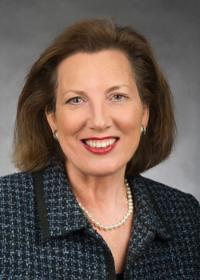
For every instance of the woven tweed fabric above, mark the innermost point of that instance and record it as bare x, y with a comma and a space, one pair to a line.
49, 238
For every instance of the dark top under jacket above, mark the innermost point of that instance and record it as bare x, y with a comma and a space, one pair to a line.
45, 235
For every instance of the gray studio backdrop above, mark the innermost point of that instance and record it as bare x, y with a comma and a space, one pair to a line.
26, 28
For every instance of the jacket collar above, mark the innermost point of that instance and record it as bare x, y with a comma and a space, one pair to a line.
60, 214
148, 221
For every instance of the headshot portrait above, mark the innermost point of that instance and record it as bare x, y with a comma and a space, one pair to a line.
91, 189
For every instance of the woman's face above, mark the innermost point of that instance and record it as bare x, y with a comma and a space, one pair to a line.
97, 97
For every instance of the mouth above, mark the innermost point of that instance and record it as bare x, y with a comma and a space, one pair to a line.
100, 144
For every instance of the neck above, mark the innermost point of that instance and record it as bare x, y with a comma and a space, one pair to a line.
101, 192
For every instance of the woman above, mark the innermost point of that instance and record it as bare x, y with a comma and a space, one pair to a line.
94, 113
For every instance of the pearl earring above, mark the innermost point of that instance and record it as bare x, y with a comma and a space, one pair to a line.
55, 135
143, 130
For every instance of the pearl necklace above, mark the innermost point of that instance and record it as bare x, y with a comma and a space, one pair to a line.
118, 224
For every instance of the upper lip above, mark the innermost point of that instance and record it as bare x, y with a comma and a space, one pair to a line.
100, 138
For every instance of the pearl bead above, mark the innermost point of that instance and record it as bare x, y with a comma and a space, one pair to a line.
118, 224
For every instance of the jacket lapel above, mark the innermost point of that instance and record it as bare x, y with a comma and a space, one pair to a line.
63, 215
148, 223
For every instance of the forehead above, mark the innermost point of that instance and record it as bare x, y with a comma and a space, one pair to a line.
102, 66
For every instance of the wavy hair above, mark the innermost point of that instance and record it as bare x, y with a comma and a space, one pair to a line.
34, 145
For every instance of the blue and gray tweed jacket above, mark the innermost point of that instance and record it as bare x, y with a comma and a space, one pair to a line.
44, 235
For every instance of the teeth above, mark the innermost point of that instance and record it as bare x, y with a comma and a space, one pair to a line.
100, 143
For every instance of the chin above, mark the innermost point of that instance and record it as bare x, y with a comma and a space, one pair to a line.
102, 171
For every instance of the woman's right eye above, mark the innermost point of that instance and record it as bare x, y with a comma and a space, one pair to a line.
73, 100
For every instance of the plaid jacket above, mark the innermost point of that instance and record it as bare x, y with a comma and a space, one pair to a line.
45, 235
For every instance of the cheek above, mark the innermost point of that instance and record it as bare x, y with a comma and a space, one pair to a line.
68, 124
130, 122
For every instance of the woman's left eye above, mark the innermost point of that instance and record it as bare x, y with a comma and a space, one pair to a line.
119, 96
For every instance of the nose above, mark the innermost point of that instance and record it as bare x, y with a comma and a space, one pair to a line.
100, 118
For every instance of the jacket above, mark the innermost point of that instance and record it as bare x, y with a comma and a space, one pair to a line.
45, 235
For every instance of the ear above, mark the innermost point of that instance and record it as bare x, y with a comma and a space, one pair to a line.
145, 117
51, 119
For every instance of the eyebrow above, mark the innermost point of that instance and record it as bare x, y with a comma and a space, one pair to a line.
107, 91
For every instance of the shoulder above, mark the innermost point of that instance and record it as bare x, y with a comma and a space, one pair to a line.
17, 210
162, 189
17, 199
167, 194
16, 182
17, 177
170, 202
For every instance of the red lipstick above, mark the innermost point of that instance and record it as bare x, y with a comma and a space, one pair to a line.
100, 138
100, 150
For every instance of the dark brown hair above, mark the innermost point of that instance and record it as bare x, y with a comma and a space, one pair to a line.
34, 145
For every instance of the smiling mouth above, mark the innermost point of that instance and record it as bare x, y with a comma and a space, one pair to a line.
100, 144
